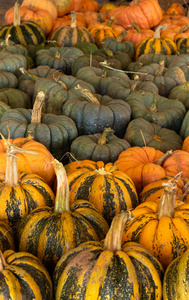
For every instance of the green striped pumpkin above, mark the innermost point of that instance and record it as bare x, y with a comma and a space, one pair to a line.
56, 230
69, 35
24, 33
175, 281
105, 270
156, 44
22, 276
6, 237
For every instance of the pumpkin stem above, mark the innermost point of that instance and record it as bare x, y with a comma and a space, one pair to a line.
16, 21
121, 36
135, 26
107, 133
184, 28
160, 161
105, 65
87, 94
134, 86
31, 76
108, 52
3, 263
37, 107
110, 22
157, 34
62, 191
59, 81
159, 71
73, 19
11, 173
167, 200
113, 239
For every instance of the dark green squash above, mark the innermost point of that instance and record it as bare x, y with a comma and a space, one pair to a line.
181, 93
15, 98
86, 47
105, 147
55, 132
8, 79
167, 113
141, 133
12, 62
181, 61
184, 131
93, 113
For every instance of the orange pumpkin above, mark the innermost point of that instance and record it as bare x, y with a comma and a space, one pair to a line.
174, 19
31, 13
93, 16
43, 4
41, 164
175, 31
185, 145
89, 5
66, 20
175, 9
135, 34
145, 13
66, 6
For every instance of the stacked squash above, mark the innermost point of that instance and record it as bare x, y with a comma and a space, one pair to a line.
94, 150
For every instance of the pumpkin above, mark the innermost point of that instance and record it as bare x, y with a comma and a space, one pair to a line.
105, 147
164, 78
182, 44
89, 5
69, 35
156, 44
7, 238
116, 191
23, 275
135, 34
108, 269
99, 31
31, 13
107, 6
167, 113
157, 226
153, 191
185, 145
141, 132
3, 108
184, 131
145, 13
12, 62
26, 32
63, 227
31, 164
66, 6
174, 19
100, 78
93, 17
43, 4
56, 133
59, 58
175, 281
66, 20
86, 47
21, 192
175, 9
15, 98
181, 61
181, 93
176, 32
92, 113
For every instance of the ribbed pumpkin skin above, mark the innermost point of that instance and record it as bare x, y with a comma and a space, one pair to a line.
15, 98
175, 281
6, 237
54, 234
102, 185
151, 45
12, 62
24, 277
181, 93
165, 238
8, 79
31, 192
67, 36
90, 272
26, 33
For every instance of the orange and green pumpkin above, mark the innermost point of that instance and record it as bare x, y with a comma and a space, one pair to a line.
7, 238
63, 227
108, 269
22, 276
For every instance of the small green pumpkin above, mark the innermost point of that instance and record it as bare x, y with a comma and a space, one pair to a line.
181, 93
15, 98
8, 79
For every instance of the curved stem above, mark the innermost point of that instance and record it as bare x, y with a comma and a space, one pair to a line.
121, 36
86, 93
16, 21
157, 34
37, 107
107, 133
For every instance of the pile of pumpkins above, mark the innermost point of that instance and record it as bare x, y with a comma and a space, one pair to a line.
94, 151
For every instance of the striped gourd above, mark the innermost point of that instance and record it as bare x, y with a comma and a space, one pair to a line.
69, 35
109, 189
56, 230
175, 281
156, 44
105, 270
161, 228
22, 276
6, 237
20, 193
182, 45
24, 33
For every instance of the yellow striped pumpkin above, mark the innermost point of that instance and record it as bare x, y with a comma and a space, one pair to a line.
56, 230
108, 270
156, 44
20, 193
22, 276
69, 35
24, 33
6, 237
